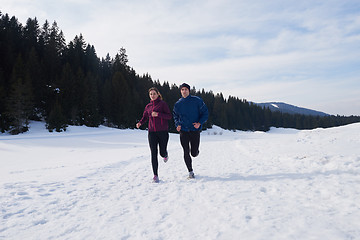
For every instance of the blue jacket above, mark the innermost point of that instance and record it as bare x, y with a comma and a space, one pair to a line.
190, 110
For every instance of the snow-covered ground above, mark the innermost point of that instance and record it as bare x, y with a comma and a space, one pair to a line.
95, 183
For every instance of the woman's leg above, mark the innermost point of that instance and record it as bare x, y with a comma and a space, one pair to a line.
153, 142
163, 142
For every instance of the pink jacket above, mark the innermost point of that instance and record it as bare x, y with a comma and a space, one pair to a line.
159, 123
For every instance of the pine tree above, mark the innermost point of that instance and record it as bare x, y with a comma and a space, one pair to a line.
123, 57
120, 100
33, 68
67, 92
20, 100
3, 124
56, 119
54, 45
31, 33
219, 111
89, 110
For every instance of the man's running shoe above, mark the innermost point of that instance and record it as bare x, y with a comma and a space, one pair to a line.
191, 175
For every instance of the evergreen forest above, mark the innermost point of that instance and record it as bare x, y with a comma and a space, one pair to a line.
43, 78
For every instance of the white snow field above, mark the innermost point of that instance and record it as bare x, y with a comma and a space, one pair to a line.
95, 183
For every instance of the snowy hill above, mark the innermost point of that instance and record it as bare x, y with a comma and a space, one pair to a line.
95, 183
291, 109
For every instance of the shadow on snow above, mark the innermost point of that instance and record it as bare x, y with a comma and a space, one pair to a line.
277, 176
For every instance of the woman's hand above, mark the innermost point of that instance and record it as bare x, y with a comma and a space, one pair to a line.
138, 125
154, 114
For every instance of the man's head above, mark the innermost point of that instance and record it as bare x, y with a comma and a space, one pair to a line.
185, 90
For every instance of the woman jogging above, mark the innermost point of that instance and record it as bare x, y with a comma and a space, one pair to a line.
157, 113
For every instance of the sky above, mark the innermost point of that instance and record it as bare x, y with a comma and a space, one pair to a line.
305, 53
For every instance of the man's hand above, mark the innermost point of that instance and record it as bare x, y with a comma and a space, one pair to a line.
196, 125
178, 128
154, 114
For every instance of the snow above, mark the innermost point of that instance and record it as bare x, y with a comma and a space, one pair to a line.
274, 105
95, 183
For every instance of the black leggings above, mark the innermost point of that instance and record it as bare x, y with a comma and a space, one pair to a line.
190, 142
155, 139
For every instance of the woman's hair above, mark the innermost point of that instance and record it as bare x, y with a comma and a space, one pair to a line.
157, 91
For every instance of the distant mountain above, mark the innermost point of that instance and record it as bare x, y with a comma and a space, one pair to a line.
287, 108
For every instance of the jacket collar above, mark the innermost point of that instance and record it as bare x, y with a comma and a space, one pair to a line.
156, 100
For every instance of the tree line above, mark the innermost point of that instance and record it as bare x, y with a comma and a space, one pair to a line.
45, 79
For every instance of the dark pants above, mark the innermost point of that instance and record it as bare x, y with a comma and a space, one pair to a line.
190, 142
155, 139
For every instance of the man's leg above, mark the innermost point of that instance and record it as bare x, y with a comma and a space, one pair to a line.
185, 143
195, 143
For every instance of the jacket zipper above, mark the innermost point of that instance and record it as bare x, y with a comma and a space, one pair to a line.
153, 118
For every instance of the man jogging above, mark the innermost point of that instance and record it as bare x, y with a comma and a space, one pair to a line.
190, 113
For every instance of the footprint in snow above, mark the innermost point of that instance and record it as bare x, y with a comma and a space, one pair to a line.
22, 193
263, 190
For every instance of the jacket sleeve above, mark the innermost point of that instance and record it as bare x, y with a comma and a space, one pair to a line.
176, 116
144, 118
165, 112
204, 113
